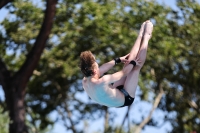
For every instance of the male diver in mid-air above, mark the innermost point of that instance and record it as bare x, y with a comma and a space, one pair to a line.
118, 89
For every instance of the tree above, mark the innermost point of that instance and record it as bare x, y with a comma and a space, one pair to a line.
14, 81
185, 79
174, 68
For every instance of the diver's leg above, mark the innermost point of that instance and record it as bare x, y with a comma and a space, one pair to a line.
132, 78
133, 53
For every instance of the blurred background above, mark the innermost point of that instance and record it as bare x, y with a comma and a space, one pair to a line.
40, 82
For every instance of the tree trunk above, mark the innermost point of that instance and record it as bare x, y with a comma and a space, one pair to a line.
4, 2
15, 104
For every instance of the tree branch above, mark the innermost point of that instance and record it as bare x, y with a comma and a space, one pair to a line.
72, 127
126, 117
62, 113
33, 57
63, 118
4, 2
155, 105
106, 121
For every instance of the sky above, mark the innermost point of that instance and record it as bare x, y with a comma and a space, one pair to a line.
135, 108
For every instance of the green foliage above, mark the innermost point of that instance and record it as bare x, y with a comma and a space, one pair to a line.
173, 65
4, 121
108, 29
21, 30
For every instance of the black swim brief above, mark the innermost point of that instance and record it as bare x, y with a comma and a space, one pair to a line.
128, 99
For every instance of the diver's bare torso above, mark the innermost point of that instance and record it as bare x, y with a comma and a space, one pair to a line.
103, 93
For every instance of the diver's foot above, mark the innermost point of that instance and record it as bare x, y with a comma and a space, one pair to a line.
142, 29
148, 29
